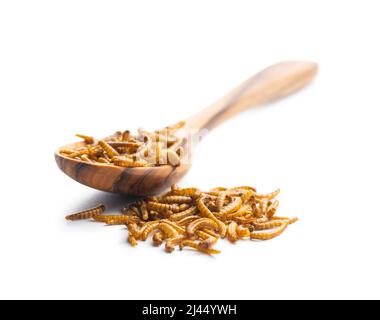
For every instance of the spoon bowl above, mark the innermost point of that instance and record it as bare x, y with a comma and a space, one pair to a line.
270, 84
107, 177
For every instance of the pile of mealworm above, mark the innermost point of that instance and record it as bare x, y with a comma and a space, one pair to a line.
195, 219
126, 150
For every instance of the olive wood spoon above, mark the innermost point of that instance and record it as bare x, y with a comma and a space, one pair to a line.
275, 82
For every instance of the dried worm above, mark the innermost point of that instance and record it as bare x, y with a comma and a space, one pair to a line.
87, 214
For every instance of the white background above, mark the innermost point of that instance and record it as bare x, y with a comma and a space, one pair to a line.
99, 66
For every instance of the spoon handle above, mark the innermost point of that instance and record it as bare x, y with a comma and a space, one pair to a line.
277, 81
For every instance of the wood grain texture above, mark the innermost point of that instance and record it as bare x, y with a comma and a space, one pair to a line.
270, 84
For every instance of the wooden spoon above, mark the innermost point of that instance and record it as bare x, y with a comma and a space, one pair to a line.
270, 84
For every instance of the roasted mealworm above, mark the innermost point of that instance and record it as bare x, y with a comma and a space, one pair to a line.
78, 153
288, 220
176, 226
171, 243
123, 161
115, 219
199, 224
144, 211
132, 240
184, 206
94, 151
268, 225
139, 163
243, 210
208, 243
125, 144
191, 192
168, 230
233, 206
87, 139
133, 230
85, 158
103, 160
162, 207
212, 194
220, 200
242, 188
183, 214
176, 199
117, 135
111, 152
205, 212
245, 221
261, 220
262, 207
268, 196
126, 135
158, 238
232, 232
210, 232
269, 235
87, 214
292, 220
242, 232
66, 151
147, 229
247, 195
185, 221
201, 235
195, 245
271, 211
